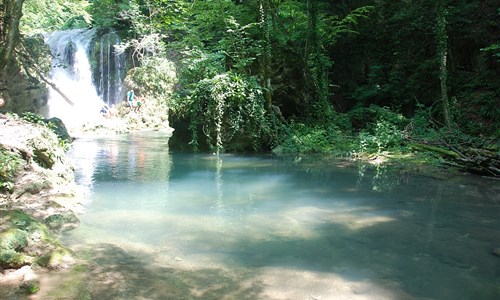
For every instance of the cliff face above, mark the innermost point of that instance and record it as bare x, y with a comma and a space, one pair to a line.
21, 93
20, 87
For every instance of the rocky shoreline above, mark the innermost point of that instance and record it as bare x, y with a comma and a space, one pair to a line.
39, 199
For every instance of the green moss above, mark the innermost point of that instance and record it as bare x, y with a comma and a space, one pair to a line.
30, 287
58, 257
12, 259
24, 240
74, 285
13, 239
44, 158
10, 166
60, 222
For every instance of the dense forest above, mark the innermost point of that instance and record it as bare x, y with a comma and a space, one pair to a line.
352, 77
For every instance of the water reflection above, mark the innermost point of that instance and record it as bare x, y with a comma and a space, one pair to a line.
258, 227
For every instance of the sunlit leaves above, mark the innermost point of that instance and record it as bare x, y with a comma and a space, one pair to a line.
155, 79
229, 110
42, 16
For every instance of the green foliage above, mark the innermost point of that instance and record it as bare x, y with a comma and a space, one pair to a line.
41, 16
381, 129
33, 118
229, 110
155, 79
421, 124
336, 26
10, 166
363, 117
240, 48
385, 136
198, 65
494, 49
322, 139
104, 12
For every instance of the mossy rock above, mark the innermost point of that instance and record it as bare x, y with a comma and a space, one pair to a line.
13, 239
62, 222
13, 259
16, 219
25, 240
60, 258
14, 234
59, 129
44, 158
12, 243
30, 287
33, 187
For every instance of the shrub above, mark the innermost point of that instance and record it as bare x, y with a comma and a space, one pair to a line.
385, 136
323, 139
10, 165
381, 129
228, 110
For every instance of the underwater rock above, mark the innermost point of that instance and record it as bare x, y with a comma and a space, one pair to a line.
496, 252
22, 281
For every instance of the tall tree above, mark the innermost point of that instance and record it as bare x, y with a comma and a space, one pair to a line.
11, 12
442, 52
265, 25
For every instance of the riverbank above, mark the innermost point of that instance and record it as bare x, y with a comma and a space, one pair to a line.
38, 200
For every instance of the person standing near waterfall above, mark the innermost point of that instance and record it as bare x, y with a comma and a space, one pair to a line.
130, 98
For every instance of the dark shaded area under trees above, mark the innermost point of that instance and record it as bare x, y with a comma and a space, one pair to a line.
362, 76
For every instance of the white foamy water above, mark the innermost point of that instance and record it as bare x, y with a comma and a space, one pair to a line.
72, 75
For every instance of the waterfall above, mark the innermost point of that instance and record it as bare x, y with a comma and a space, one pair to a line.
87, 71
108, 76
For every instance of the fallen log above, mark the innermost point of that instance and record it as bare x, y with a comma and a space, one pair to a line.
439, 150
473, 160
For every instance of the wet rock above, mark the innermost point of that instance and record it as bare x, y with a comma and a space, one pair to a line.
62, 222
59, 128
13, 239
30, 283
58, 259
18, 282
26, 241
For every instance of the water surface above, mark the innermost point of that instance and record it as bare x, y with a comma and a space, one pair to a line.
166, 225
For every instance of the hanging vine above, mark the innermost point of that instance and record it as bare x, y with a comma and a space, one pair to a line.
229, 110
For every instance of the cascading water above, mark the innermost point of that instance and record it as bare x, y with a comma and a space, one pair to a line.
72, 73
109, 73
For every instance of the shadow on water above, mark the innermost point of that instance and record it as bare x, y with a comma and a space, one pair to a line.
331, 232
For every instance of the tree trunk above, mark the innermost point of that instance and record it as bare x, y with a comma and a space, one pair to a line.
442, 52
10, 15
266, 57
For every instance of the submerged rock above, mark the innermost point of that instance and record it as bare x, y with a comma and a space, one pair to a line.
20, 281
